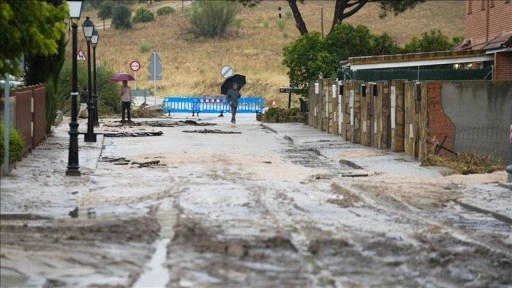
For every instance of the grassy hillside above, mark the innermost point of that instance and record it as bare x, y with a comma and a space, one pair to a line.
192, 67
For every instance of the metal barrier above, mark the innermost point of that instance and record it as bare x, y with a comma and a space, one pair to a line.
196, 105
179, 104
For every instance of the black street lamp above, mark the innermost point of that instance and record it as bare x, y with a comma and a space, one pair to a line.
94, 41
73, 168
88, 27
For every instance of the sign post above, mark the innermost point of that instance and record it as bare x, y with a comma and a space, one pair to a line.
290, 90
135, 66
155, 70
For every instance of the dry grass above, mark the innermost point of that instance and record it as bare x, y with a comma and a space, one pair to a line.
192, 67
464, 163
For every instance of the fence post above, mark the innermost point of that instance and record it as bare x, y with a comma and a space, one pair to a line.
509, 167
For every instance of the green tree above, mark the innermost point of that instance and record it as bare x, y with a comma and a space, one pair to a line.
344, 9
384, 45
211, 19
431, 41
347, 41
43, 67
29, 27
306, 58
311, 55
106, 11
143, 15
121, 17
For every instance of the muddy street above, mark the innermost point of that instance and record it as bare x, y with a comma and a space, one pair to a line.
247, 205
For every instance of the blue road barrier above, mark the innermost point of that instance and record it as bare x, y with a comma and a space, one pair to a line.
196, 105
179, 104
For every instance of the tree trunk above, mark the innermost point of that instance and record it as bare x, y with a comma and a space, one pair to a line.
299, 22
341, 5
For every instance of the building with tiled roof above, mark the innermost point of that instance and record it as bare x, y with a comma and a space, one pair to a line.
485, 53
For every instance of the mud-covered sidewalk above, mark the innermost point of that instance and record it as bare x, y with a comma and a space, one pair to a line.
199, 202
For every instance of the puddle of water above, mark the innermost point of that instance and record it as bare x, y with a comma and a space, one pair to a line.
156, 274
167, 220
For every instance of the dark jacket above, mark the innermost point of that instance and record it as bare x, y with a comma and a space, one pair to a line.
233, 96
84, 96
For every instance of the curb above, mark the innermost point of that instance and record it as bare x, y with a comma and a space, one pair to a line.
473, 208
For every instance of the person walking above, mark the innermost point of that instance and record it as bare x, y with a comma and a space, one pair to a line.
232, 97
126, 102
84, 97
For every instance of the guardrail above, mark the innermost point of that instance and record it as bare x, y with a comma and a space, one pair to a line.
196, 105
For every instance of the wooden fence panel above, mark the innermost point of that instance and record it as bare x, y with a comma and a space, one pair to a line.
39, 115
24, 116
356, 125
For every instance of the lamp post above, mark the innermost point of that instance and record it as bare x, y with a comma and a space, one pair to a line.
88, 27
73, 168
94, 41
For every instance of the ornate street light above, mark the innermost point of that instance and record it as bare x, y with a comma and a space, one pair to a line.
88, 28
73, 168
94, 41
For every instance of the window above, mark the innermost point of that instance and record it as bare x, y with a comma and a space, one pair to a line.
492, 4
470, 6
507, 1
483, 4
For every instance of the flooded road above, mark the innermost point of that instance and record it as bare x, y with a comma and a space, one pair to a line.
246, 206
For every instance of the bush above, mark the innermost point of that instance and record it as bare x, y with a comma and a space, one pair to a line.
16, 145
281, 24
273, 114
165, 11
121, 17
293, 111
237, 23
143, 15
144, 46
108, 91
211, 19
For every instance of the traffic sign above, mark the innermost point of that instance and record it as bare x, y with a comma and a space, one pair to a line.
154, 67
135, 65
226, 71
80, 56
291, 90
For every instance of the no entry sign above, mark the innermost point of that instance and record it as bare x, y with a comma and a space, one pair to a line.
135, 65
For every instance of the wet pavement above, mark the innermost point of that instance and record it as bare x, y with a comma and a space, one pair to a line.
246, 205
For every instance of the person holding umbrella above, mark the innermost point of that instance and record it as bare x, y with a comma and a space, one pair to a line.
126, 101
232, 97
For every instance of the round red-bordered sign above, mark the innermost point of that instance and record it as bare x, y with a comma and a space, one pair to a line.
135, 65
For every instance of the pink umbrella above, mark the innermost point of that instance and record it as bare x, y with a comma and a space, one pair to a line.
122, 77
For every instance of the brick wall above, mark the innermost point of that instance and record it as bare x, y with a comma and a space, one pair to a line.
483, 22
503, 66
439, 125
